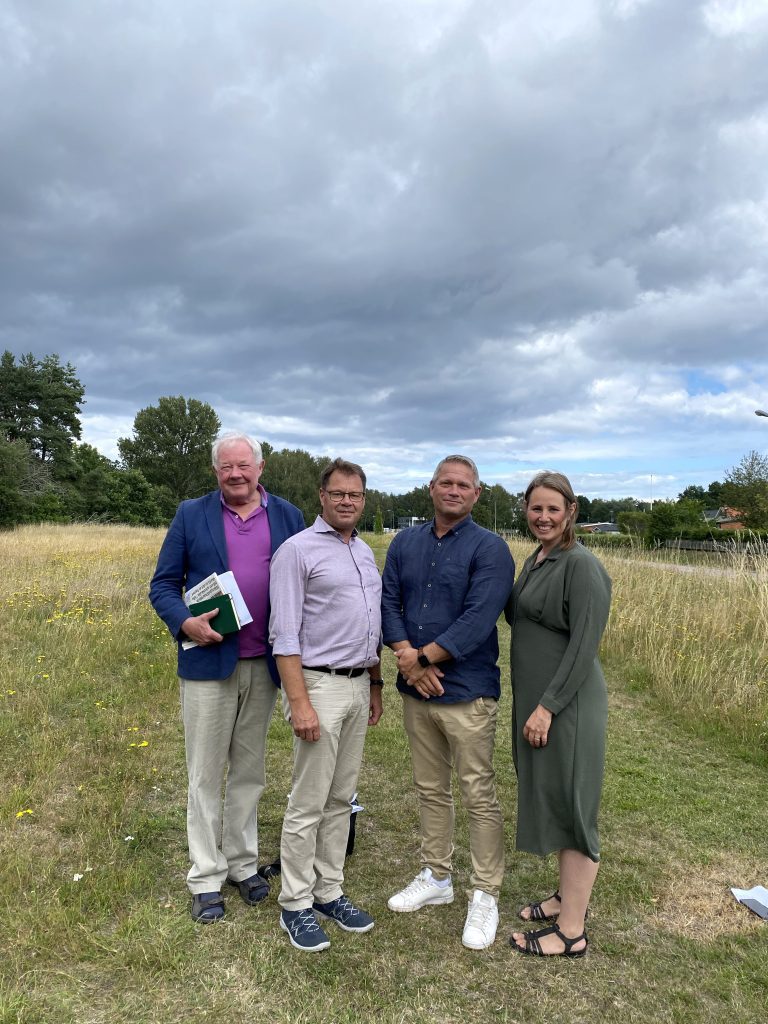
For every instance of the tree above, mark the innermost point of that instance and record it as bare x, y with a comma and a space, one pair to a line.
294, 474
746, 489
14, 469
634, 523
171, 447
714, 497
669, 519
378, 522
694, 493
40, 405
585, 508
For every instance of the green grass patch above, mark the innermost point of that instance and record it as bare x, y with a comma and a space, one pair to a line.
95, 907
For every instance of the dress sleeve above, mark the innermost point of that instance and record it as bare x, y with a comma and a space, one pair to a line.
587, 602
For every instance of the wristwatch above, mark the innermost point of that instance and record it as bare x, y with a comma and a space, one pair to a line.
422, 659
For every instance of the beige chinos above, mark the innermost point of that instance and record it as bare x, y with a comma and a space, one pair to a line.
316, 823
442, 736
225, 722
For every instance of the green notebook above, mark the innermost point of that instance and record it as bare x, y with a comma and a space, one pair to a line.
226, 621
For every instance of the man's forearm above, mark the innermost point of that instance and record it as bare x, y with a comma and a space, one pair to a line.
292, 678
304, 719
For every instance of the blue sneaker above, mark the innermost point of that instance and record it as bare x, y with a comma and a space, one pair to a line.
345, 914
304, 931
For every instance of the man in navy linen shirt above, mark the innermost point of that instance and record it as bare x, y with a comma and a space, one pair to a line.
445, 584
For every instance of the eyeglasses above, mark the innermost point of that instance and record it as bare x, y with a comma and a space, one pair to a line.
341, 495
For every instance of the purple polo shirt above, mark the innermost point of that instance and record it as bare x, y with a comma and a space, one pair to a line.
249, 549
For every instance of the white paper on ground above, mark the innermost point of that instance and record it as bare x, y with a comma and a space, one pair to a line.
757, 892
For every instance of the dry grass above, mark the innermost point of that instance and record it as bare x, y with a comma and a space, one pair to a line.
697, 639
91, 744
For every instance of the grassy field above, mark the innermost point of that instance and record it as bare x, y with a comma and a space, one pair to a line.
92, 835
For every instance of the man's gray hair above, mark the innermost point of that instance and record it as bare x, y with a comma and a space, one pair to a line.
234, 437
465, 461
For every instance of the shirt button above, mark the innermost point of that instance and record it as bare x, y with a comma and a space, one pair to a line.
423, 606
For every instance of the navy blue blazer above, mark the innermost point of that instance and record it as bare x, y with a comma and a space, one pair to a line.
193, 548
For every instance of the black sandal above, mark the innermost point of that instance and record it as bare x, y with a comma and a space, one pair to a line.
533, 945
537, 914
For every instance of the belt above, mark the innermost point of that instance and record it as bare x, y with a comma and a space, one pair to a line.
351, 673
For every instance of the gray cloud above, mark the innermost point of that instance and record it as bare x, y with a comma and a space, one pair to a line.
398, 229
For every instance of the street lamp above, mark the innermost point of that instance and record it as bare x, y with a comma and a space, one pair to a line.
761, 412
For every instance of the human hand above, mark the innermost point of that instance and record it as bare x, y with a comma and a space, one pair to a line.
427, 682
304, 722
376, 707
407, 661
536, 729
197, 628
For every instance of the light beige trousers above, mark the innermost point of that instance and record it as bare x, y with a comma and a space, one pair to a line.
460, 736
316, 823
225, 734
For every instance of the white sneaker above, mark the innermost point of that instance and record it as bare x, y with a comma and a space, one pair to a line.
421, 892
482, 921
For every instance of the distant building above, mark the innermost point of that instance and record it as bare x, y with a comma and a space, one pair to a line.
598, 527
405, 521
724, 518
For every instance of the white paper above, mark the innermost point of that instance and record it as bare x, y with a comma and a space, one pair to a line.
209, 587
212, 586
229, 586
758, 892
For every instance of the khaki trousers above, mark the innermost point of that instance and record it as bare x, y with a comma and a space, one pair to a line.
460, 736
225, 733
316, 823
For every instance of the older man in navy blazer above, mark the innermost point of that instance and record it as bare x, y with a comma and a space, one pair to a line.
228, 683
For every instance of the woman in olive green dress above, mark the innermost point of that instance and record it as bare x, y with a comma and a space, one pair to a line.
558, 611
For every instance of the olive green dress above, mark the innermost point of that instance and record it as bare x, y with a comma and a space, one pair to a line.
558, 611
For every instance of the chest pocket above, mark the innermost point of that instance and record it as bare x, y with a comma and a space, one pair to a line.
454, 577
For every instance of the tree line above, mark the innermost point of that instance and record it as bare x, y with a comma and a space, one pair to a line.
47, 474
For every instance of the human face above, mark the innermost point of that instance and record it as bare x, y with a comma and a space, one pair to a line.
454, 493
342, 515
548, 516
238, 474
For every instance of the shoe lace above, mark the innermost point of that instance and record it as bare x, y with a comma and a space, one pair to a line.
344, 908
419, 883
479, 915
305, 922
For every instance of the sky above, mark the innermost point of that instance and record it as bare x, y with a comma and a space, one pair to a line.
529, 231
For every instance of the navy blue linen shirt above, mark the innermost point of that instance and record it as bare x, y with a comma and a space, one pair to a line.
449, 590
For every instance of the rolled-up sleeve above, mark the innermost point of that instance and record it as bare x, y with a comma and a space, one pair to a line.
287, 586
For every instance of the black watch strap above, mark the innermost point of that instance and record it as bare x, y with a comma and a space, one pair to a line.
422, 659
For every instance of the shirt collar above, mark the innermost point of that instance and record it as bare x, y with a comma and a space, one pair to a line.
263, 494
553, 555
456, 527
320, 526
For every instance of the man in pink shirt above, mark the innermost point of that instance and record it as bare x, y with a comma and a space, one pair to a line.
325, 629
228, 683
